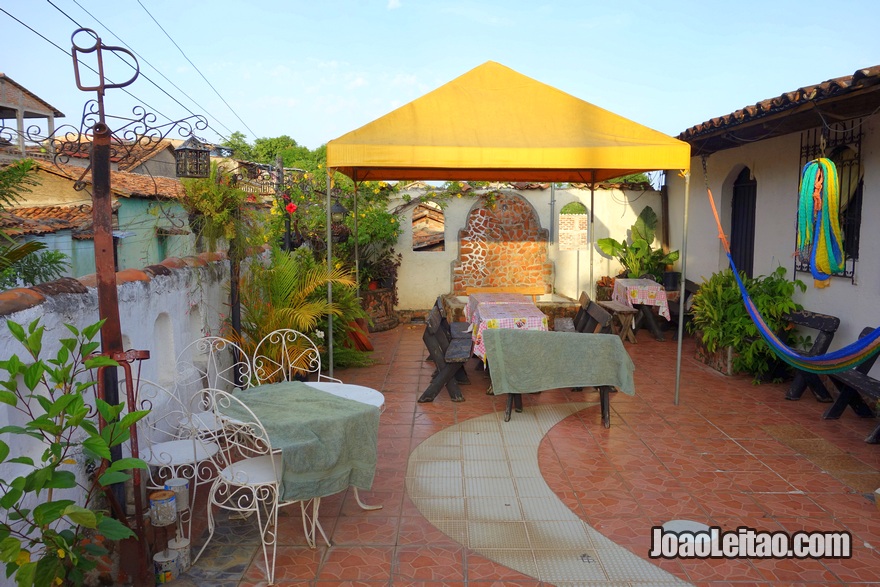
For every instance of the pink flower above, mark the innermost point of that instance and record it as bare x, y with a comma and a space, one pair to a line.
291, 208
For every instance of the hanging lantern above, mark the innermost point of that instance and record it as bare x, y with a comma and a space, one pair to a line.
193, 158
338, 212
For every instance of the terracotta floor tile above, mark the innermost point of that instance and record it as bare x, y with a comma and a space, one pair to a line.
429, 563
373, 531
720, 570
360, 563
728, 504
293, 563
783, 505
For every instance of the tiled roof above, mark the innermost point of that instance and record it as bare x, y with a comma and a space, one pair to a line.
834, 100
123, 183
47, 219
127, 156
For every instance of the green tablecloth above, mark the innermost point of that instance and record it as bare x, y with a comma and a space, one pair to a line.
327, 442
527, 361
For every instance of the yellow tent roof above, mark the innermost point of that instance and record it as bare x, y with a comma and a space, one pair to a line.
495, 124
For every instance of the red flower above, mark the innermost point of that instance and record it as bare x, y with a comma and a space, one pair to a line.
291, 208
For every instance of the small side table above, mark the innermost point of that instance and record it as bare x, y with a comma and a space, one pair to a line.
621, 319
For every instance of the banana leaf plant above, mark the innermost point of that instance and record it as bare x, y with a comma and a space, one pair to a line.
638, 257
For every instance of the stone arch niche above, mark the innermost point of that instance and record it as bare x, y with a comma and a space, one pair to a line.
502, 245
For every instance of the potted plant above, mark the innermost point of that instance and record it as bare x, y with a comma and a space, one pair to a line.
728, 339
638, 257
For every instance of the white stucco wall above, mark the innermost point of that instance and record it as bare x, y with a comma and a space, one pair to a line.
775, 164
425, 275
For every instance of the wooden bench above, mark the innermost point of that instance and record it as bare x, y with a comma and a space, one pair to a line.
528, 290
827, 326
566, 324
621, 319
449, 356
456, 329
852, 385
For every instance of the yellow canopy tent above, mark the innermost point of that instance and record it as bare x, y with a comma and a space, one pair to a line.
495, 124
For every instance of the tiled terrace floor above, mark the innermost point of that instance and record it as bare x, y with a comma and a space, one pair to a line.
464, 503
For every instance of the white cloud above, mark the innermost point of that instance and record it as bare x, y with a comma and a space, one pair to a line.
358, 82
392, 4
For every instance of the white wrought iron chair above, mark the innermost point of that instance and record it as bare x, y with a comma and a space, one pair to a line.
251, 481
170, 443
285, 355
211, 362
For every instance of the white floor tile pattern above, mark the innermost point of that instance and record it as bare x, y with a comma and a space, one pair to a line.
480, 483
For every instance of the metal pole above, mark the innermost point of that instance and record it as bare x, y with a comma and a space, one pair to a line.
102, 216
591, 235
684, 240
108, 301
357, 261
329, 284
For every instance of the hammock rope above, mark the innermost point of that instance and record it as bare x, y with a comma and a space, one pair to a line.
842, 359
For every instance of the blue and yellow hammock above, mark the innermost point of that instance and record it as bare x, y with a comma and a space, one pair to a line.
821, 236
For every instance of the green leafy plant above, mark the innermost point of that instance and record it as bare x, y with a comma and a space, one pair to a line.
38, 267
721, 318
638, 257
292, 293
46, 540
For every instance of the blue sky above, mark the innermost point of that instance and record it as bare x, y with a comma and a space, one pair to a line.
318, 69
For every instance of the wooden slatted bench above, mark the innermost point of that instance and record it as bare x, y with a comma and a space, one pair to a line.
827, 326
449, 356
852, 386
622, 317
566, 324
456, 329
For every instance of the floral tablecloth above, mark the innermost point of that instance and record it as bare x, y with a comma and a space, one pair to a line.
475, 300
641, 291
521, 316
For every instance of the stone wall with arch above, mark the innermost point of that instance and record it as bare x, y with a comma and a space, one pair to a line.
502, 244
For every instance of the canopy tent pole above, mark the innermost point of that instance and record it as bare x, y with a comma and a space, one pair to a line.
590, 236
681, 285
357, 259
329, 283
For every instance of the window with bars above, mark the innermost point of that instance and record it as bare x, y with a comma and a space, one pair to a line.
842, 143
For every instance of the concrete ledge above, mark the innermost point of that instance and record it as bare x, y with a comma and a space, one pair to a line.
154, 270
129, 275
60, 286
174, 263
195, 261
18, 299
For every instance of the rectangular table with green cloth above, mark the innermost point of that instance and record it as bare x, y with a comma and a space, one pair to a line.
528, 361
327, 442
